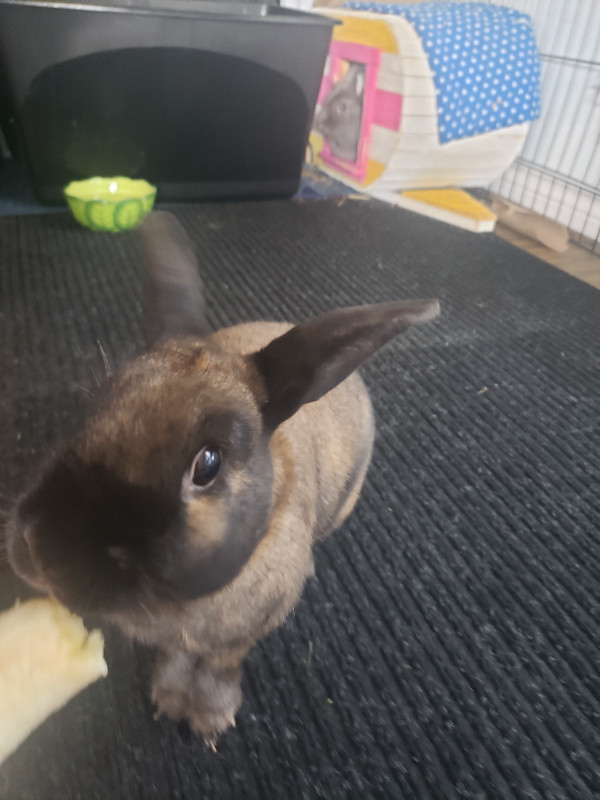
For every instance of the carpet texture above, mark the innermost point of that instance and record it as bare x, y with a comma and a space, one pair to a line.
448, 646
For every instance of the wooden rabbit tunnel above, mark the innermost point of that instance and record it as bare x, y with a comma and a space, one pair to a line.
425, 96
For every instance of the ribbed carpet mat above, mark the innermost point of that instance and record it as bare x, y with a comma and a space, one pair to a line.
448, 646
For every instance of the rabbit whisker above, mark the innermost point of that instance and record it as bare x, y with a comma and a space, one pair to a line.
146, 610
95, 377
105, 359
83, 389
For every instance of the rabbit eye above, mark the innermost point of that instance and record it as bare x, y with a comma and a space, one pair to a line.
342, 107
206, 466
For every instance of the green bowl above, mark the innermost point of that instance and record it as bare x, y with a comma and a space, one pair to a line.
110, 204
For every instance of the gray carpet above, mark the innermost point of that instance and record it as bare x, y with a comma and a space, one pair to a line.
453, 622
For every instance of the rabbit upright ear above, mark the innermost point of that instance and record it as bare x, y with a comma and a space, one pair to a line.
312, 358
356, 79
174, 301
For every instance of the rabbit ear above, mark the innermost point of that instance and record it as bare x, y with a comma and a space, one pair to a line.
174, 301
356, 78
312, 358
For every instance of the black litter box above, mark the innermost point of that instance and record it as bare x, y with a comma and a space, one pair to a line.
205, 100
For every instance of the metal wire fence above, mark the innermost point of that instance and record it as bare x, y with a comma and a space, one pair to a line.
557, 173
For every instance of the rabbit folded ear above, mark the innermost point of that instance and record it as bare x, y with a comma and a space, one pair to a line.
310, 359
174, 300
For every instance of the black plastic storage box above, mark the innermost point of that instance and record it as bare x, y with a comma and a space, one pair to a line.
202, 99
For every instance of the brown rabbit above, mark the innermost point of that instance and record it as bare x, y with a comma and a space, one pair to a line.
186, 508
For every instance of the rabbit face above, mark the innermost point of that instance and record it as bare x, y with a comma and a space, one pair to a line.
339, 118
163, 495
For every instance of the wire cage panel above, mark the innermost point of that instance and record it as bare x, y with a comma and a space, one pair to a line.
557, 173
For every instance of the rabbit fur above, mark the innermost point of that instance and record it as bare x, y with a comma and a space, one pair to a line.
186, 507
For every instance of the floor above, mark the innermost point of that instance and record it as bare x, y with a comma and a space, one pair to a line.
16, 197
575, 260
451, 623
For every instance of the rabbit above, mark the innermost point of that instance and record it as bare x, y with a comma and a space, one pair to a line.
339, 118
185, 508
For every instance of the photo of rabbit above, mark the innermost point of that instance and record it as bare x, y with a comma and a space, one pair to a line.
339, 118
185, 509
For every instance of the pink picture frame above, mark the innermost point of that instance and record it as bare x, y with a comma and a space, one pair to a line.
340, 52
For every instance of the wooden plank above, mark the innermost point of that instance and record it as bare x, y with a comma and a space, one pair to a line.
389, 81
383, 143
409, 42
416, 67
575, 260
436, 179
418, 86
420, 106
363, 28
411, 123
391, 63
417, 142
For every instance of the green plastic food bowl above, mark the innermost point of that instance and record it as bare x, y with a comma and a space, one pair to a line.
110, 204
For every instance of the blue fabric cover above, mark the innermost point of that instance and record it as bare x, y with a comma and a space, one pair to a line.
484, 60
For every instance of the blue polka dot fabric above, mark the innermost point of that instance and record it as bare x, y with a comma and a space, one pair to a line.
484, 59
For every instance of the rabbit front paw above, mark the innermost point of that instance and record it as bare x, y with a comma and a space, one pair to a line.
171, 684
210, 725
216, 699
186, 687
